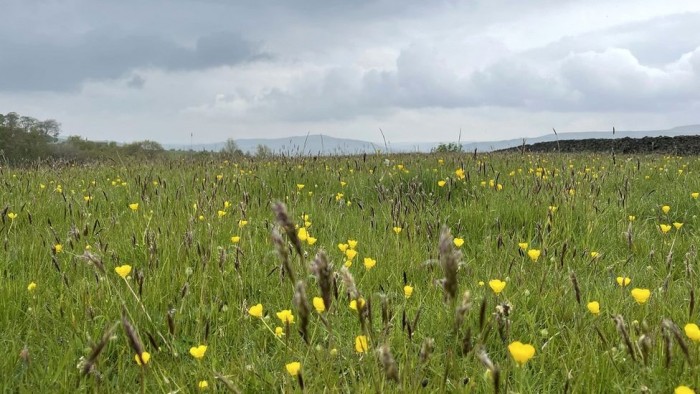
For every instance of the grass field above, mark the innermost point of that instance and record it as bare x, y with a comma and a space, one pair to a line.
502, 301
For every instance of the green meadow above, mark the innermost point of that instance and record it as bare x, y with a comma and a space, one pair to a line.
384, 273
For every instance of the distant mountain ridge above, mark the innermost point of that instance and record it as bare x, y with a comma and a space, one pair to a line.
319, 144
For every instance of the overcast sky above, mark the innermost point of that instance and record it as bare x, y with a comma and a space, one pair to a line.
420, 70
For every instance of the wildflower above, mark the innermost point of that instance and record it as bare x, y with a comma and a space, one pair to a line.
302, 234
692, 331
481, 283
221, 213
286, 316
300, 186
458, 242
369, 263
553, 208
311, 240
145, 357
227, 204
279, 332
407, 291
352, 243
677, 225
203, 385
354, 303
534, 254
683, 390
293, 368
361, 344
664, 228
319, 305
623, 281
235, 239
198, 352
58, 248
256, 310
123, 270
343, 247
640, 295
595, 255
522, 245
441, 183
520, 352
594, 307
631, 218
497, 285
460, 173
695, 195
134, 206
242, 223
666, 209
350, 254
12, 215
31, 287
397, 230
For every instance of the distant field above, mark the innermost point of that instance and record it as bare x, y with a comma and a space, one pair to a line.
503, 272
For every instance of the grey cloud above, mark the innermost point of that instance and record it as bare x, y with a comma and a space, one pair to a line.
55, 65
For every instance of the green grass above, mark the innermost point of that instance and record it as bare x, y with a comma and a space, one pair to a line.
185, 265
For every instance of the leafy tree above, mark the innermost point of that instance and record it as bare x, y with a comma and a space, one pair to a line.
231, 149
262, 151
452, 147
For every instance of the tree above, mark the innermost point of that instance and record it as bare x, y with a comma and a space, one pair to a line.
452, 147
231, 149
262, 151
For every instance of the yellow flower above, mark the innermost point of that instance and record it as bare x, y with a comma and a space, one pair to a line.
523, 245
361, 344
343, 247
293, 368
286, 316
520, 352
497, 285
319, 305
458, 242
640, 295
352, 243
256, 310
31, 286
460, 173
203, 385
677, 225
235, 239
198, 352
58, 248
683, 390
134, 206
221, 213
553, 208
12, 215
300, 186
302, 234
407, 291
242, 223
227, 204
123, 270
350, 254
348, 263
692, 331
441, 183
631, 218
354, 303
311, 240
664, 228
279, 332
145, 356
534, 254
369, 263
666, 209
595, 255
594, 307
397, 230
695, 195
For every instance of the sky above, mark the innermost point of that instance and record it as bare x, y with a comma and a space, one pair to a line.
182, 71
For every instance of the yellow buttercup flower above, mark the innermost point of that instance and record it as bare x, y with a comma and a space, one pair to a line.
352, 243
235, 239
311, 240
664, 228
286, 316
221, 213
300, 186
595, 255
534, 254
145, 356
594, 307
407, 291
203, 385
666, 209
458, 242
134, 206
354, 303
31, 287
695, 195
58, 248
369, 263
123, 270
350, 254
343, 247
12, 215
623, 281
242, 223
640, 295
198, 351
397, 230
256, 310
521, 352
302, 234
293, 368
683, 390
631, 218
361, 344
497, 285
523, 245
319, 305
279, 332
677, 225
441, 183
692, 331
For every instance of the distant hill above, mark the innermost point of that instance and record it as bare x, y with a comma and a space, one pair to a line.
679, 145
324, 145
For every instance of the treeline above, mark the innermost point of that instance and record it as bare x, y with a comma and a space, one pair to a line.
24, 140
